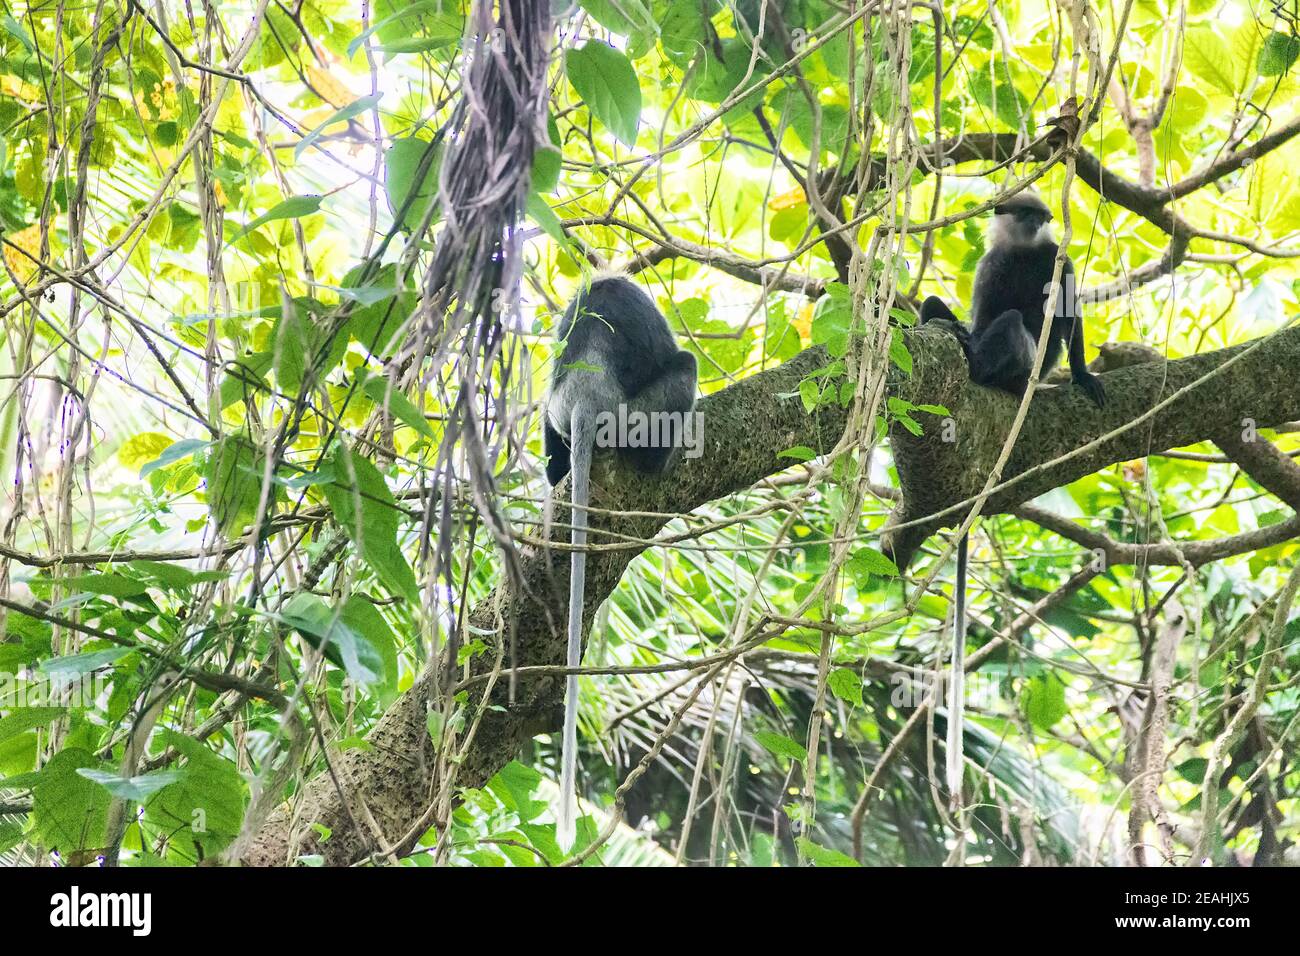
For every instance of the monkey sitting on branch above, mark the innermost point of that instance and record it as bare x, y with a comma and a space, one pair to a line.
1008, 307
621, 383
1012, 282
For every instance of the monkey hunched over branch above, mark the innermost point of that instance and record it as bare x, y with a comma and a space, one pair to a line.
619, 359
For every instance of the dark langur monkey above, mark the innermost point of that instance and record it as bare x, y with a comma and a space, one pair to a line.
1008, 306
1012, 282
617, 351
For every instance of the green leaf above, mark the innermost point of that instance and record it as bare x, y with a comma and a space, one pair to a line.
295, 207
75, 665
23, 719
174, 452
547, 162
110, 585
608, 84
445, 25
1043, 701
367, 511
865, 562
846, 685
132, 788
69, 812
832, 323
376, 321
245, 377
1193, 769
416, 44
355, 108
204, 807
411, 180
540, 212
365, 620
809, 394
174, 577
15, 29
898, 353
1278, 54
380, 391
234, 483
325, 628
798, 453
822, 856
779, 745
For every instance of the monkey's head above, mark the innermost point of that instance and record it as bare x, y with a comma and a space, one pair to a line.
1023, 219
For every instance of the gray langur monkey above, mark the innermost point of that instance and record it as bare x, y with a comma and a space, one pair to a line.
1008, 305
619, 359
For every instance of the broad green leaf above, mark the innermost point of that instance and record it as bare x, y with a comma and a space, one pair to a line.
819, 855
69, 812
446, 23
295, 207
540, 212
325, 629
380, 391
110, 584
174, 452
234, 483
22, 719
204, 807
779, 745
139, 450
411, 169
364, 619
607, 83
846, 684
367, 512
75, 665
1278, 54
798, 453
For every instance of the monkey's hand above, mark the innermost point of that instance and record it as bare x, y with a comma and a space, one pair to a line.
1092, 387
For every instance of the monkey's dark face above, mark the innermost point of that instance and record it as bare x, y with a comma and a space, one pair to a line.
1021, 223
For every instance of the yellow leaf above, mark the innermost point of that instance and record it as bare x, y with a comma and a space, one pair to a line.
802, 322
330, 89
138, 450
788, 200
29, 240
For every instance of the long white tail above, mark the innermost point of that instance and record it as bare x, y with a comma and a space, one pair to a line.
954, 748
582, 435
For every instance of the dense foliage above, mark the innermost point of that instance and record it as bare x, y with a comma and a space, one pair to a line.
259, 474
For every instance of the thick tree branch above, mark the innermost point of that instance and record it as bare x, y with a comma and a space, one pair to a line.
746, 427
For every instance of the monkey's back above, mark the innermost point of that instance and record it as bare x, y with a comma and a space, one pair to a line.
613, 323
1015, 277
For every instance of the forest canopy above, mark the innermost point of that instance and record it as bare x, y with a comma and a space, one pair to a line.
282, 580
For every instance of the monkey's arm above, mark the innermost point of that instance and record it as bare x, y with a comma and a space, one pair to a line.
1091, 384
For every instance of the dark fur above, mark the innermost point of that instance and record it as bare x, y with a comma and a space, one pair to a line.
618, 350
1007, 305
615, 325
